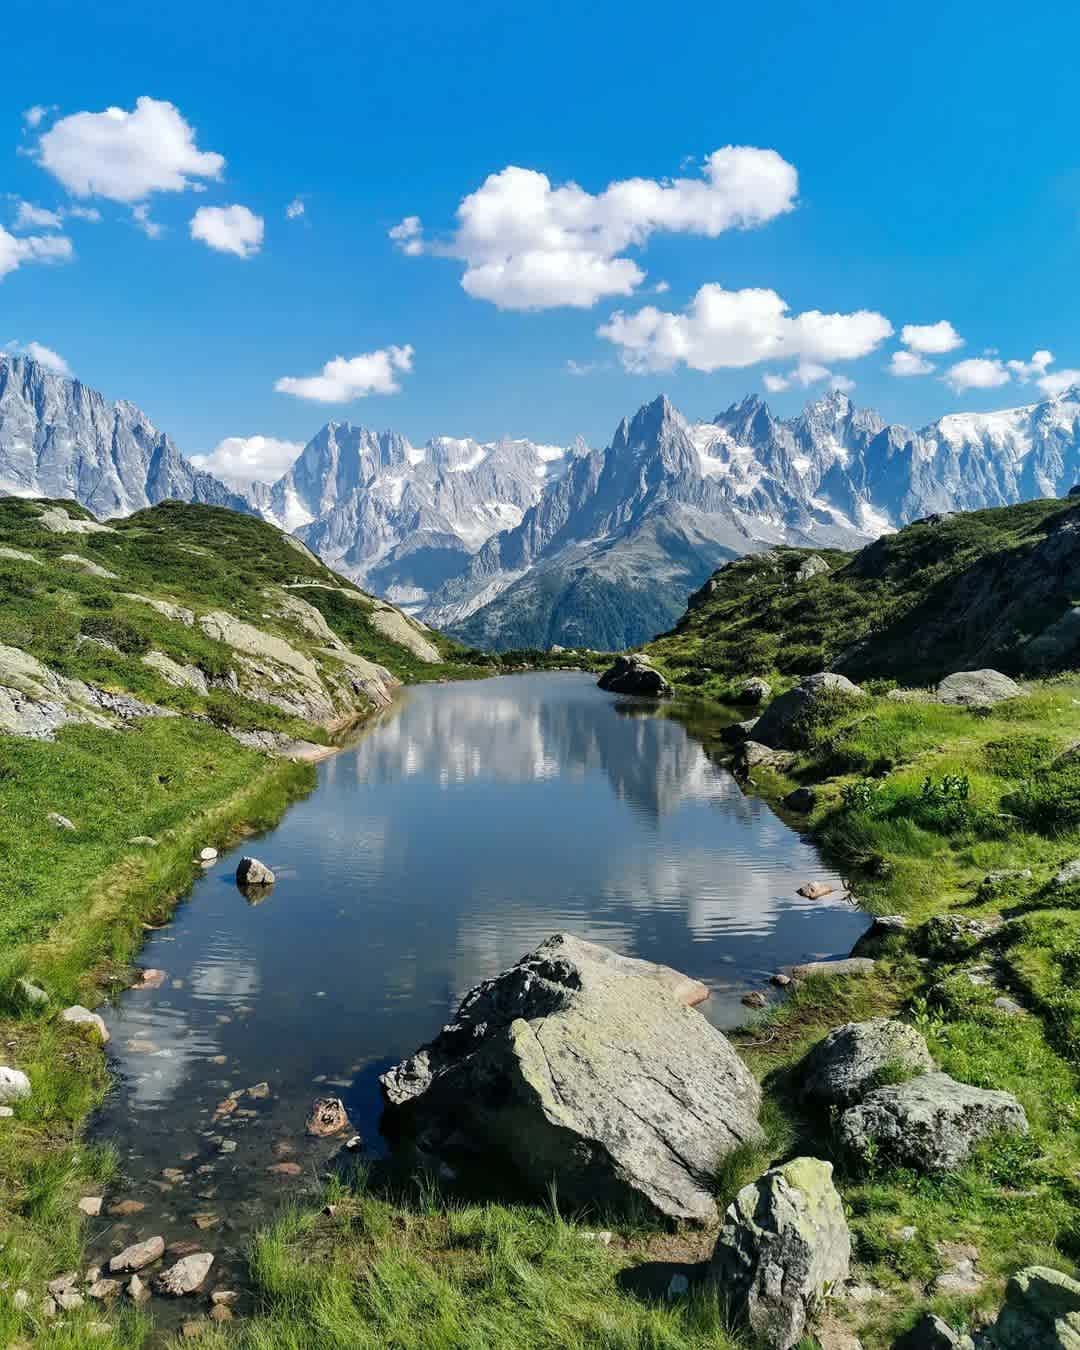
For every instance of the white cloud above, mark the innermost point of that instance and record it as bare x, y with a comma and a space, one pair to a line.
42, 248
774, 383
229, 229
37, 351
90, 213
408, 235
583, 367
735, 329
931, 339
125, 156
342, 380
906, 364
661, 288
295, 209
33, 117
1053, 386
243, 460
841, 383
978, 372
141, 216
31, 217
1033, 369
529, 245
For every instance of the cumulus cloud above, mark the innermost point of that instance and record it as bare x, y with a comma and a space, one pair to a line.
1033, 369
1053, 386
774, 382
344, 379
243, 460
32, 248
125, 156
978, 372
31, 217
33, 117
229, 229
906, 364
295, 209
931, 339
734, 329
527, 244
141, 216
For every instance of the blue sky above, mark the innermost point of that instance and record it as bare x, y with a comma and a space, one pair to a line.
902, 166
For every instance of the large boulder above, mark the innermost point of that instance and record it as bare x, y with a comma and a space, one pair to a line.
634, 675
851, 1060
930, 1123
585, 1068
779, 725
931, 1332
1041, 1312
977, 688
784, 1239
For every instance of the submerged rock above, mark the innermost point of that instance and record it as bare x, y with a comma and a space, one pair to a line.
634, 675
185, 1276
328, 1116
138, 1255
849, 1062
784, 1240
930, 1123
587, 1068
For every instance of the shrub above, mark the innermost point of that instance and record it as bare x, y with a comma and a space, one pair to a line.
1019, 756
115, 631
1050, 802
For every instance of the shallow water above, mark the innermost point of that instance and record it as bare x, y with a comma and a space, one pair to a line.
468, 823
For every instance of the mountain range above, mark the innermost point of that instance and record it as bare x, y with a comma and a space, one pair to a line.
519, 543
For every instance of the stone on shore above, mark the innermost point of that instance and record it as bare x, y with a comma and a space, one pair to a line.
755, 690
14, 1084
634, 675
779, 726
931, 1332
83, 1017
847, 965
783, 1241
585, 1068
930, 1123
848, 1063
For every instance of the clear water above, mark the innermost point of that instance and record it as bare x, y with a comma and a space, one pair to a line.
469, 823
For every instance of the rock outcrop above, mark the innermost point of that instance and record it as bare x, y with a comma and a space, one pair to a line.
634, 675
252, 872
1041, 1312
841, 1069
783, 1242
930, 1123
587, 1068
779, 726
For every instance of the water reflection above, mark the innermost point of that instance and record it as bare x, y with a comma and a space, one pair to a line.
469, 823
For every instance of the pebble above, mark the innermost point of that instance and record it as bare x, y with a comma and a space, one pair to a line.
285, 1169
227, 1146
220, 1312
814, 890
207, 854
137, 1290
755, 999
150, 979
204, 1221
104, 1289
91, 1205
138, 1255
780, 980
122, 1208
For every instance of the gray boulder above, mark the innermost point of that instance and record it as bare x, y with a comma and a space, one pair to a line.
977, 688
185, 1276
83, 1017
847, 1064
952, 937
1068, 874
885, 926
252, 872
14, 1085
783, 1241
635, 675
751, 755
847, 965
1041, 1312
931, 1332
778, 725
930, 1123
588, 1069
755, 690
737, 732
811, 567
802, 799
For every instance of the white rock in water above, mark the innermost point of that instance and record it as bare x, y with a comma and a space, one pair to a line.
186, 1275
207, 854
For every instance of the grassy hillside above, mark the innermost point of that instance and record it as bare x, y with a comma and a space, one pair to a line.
974, 589
931, 810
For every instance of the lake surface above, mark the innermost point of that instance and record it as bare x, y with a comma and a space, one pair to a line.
470, 822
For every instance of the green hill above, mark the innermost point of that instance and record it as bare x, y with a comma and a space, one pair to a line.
983, 588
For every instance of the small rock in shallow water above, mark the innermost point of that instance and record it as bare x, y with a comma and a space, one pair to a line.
227, 1146
186, 1275
207, 854
221, 1312
138, 1255
814, 890
259, 1091
285, 1169
90, 1205
780, 980
150, 979
204, 1221
224, 1296
137, 1290
252, 872
755, 999
123, 1208
104, 1289
328, 1116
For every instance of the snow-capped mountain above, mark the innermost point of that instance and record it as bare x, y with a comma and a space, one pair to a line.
403, 518
60, 439
518, 543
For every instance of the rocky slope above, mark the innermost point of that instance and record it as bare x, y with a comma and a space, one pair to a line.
108, 623
950, 592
